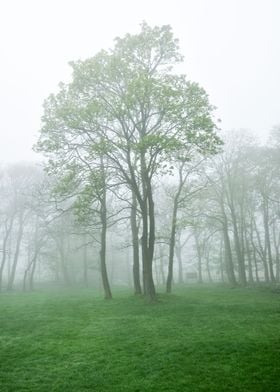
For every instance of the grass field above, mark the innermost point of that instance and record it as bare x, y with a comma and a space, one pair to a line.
198, 339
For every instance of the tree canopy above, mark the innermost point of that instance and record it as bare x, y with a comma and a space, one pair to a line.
127, 111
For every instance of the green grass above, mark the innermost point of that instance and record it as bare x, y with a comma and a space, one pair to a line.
198, 339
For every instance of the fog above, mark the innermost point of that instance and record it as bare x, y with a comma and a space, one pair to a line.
231, 48
50, 222
139, 195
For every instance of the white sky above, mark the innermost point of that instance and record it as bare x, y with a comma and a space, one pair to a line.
231, 47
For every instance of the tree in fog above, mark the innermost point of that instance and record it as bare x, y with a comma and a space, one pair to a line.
129, 104
181, 194
17, 187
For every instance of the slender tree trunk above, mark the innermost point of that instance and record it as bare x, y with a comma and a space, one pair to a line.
267, 239
63, 262
261, 251
32, 272
256, 266
161, 265
172, 246
38, 246
250, 267
208, 267
85, 265
16, 255
24, 288
199, 258
237, 237
222, 252
103, 268
276, 249
228, 257
254, 252
178, 251
240, 257
152, 238
144, 247
8, 229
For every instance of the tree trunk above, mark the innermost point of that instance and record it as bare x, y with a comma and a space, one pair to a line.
250, 267
208, 267
32, 272
63, 263
161, 265
261, 251
172, 246
103, 218
4, 248
276, 248
222, 252
199, 258
85, 265
148, 231
16, 255
135, 244
178, 251
228, 256
240, 256
267, 239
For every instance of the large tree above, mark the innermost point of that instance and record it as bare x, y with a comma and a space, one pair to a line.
128, 105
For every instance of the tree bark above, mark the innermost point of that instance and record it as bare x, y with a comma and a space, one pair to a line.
148, 231
135, 245
103, 218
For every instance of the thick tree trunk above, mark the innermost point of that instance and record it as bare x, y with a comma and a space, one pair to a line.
148, 231
135, 244
103, 219
148, 238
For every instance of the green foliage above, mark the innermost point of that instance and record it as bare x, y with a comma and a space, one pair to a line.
125, 102
201, 339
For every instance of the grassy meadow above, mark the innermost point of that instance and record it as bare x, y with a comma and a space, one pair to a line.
200, 338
